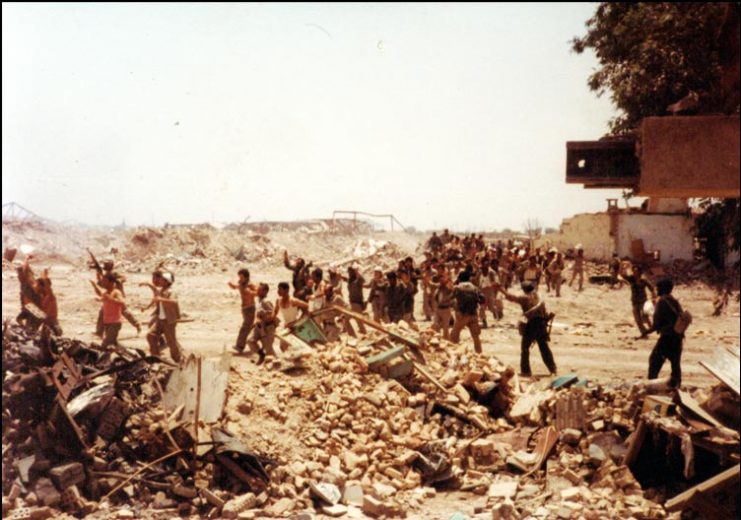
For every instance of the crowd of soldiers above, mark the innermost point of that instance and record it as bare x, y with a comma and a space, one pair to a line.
463, 280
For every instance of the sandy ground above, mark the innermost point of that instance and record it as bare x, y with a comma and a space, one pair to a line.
593, 335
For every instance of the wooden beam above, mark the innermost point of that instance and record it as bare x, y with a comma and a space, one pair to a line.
728, 478
636, 441
693, 406
372, 324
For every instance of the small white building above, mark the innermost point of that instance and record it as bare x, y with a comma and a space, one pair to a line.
664, 227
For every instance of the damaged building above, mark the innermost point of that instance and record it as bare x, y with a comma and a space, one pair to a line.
669, 160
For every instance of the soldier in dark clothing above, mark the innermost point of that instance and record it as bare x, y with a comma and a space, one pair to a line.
394, 298
536, 328
377, 294
467, 299
355, 284
614, 271
435, 243
638, 286
669, 345
300, 274
408, 301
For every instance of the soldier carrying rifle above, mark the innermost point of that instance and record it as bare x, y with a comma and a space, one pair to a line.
101, 273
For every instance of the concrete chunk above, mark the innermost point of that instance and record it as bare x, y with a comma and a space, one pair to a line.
68, 475
335, 510
353, 494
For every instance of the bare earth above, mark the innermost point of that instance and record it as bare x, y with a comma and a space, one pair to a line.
593, 334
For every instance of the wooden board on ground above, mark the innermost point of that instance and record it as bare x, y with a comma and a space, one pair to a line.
373, 324
693, 406
724, 365
699, 497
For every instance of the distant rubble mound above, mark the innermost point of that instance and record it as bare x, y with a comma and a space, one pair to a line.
205, 247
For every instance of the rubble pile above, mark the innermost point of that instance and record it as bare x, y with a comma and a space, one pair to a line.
369, 440
45, 239
383, 439
206, 249
85, 431
374, 424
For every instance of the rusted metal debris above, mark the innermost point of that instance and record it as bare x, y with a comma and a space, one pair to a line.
85, 430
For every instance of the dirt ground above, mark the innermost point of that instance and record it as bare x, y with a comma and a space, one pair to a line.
593, 336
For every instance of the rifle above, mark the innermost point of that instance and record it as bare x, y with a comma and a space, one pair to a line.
94, 262
550, 317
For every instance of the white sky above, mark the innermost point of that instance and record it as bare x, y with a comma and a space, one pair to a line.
444, 115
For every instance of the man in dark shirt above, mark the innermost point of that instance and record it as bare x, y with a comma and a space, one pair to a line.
638, 286
355, 283
410, 289
614, 271
669, 345
435, 243
394, 300
300, 273
467, 299
536, 328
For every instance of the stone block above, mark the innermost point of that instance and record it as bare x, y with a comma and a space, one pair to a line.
67, 475
353, 494
373, 507
335, 510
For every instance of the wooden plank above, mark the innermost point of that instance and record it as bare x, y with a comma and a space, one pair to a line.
294, 341
182, 388
693, 406
726, 367
198, 408
728, 478
136, 474
636, 441
370, 323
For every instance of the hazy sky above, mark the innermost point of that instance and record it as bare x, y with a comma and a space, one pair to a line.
444, 115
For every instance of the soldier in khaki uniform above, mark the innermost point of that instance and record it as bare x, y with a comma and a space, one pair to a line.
165, 317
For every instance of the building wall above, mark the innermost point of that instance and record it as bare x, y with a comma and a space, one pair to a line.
670, 234
591, 230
